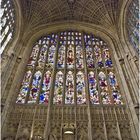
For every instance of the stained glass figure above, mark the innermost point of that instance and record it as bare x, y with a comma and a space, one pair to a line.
44, 96
104, 88
108, 61
42, 56
69, 94
68, 73
33, 56
80, 87
70, 57
51, 56
79, 57
98, 55
94, 99
89, 57
117, 98
24, 88
35, 87
61, 57
58, 93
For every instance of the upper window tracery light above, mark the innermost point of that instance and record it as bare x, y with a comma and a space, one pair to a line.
7, 14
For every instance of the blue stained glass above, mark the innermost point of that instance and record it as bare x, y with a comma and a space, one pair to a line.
89, 57
44, 96
98, 55
104, 88
24, 88
117, 98
94, 99
69, 80
108, 61
35, 87
80, 86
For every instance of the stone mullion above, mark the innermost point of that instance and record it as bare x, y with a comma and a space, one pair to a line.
87, 90
86, 73
95, 70
4, 13
117, 121
33, 72
75, 88
5, 36
4, 27
19, 125
48, 117
75, 72
108, 84
104, 124
33, 122
43, 73
64, 83
98, 85
65, 72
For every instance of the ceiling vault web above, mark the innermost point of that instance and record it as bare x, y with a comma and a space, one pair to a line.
100, 12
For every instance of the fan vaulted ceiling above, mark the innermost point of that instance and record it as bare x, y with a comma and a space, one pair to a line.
100, 12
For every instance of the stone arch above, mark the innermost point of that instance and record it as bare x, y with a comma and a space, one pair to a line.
29, 39
124, 38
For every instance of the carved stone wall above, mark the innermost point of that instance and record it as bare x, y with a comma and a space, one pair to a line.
106, 123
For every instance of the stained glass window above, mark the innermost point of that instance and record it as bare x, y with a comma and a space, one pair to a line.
133, 24
58, 93
45, 89
7, 22
70, 68
93, 91
80, 88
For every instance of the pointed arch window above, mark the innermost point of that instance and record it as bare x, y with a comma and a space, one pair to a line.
70, 67
133, 24
7, 15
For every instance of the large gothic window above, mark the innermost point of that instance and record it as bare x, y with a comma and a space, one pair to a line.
7, 15
72, 68
133, 24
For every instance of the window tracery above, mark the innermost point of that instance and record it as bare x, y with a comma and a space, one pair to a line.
7, 14
133, 24
73, 67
